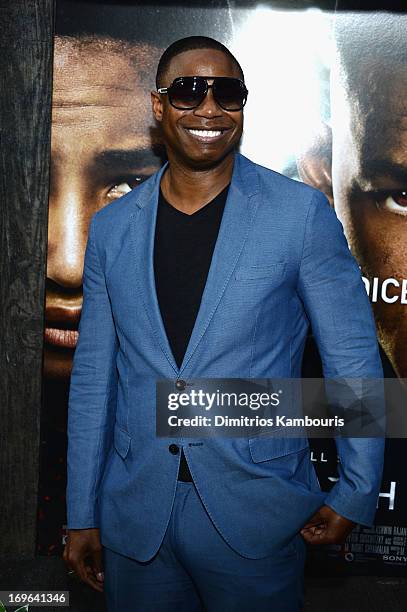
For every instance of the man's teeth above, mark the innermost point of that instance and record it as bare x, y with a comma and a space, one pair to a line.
205, 133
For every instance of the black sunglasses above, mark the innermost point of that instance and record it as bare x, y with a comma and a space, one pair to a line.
186, 93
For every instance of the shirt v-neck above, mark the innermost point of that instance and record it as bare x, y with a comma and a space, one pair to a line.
218, 200
183, 249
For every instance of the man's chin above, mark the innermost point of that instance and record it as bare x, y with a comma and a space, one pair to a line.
207, 159
57, 363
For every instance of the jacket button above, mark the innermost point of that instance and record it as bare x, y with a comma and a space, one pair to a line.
174, 449
180, 384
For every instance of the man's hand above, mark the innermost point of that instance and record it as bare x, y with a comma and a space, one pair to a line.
83, 555
327, 527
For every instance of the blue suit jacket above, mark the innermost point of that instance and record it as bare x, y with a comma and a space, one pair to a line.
280, 262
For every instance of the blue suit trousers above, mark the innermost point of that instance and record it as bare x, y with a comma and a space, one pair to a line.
196, 570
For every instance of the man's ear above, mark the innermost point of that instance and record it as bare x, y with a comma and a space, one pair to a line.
314, 162
157, 105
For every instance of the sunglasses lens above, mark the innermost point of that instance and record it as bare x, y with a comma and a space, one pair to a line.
229, 93
187, 92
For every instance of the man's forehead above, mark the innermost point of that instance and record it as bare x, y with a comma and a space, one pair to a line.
381, 151
375, 86
377, 111
94, 67
88, 85
382, 133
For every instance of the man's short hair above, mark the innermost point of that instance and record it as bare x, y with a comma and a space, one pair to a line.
190, 43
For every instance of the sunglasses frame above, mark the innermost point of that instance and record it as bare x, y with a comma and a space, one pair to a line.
167, 90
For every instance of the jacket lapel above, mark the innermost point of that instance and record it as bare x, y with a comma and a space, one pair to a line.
143, 222
239, 211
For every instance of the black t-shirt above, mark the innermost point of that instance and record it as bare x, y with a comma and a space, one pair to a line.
183, 251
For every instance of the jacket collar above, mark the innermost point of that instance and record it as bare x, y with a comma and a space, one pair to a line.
244, 179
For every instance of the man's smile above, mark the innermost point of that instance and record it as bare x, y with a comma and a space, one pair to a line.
206, 135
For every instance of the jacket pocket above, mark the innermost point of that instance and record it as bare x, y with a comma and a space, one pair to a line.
274, 270
263, 448
121, 441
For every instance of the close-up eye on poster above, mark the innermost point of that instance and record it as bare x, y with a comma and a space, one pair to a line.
203, 276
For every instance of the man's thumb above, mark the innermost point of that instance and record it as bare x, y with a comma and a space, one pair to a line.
316, 519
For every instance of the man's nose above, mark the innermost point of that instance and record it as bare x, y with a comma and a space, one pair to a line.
208, 107
67, 236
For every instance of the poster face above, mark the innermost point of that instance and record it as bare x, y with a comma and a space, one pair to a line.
326, 105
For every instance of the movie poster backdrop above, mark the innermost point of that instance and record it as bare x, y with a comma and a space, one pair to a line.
326, 106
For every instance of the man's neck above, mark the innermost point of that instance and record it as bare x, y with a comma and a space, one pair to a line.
188, 189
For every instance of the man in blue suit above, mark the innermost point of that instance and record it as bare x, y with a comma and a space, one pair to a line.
214, 267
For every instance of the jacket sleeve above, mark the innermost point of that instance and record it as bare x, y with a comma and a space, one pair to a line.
92, 394
335, 300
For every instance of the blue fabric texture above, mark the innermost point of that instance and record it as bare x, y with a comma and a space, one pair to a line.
195, 570
281, 262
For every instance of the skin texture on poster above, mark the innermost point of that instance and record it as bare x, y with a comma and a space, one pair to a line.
360, 162
359, 159
102, 147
